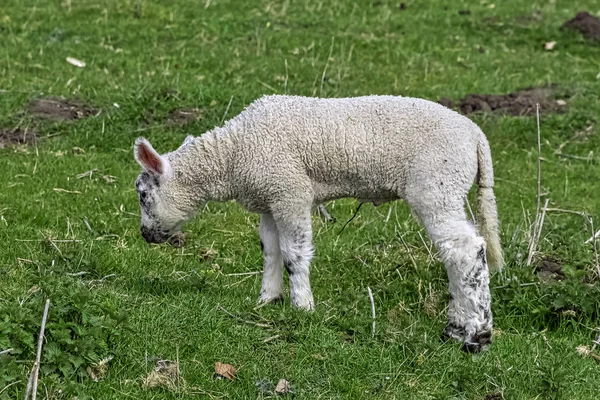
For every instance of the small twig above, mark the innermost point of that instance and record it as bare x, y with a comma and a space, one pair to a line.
539, 188
87, 225
537, 231
389, 214
98, 281
581, 213
6, 351
61, 190
81, 273
588, 158
594, 237
227, 109
350, 220
372, 310
270, 339
245, 273
259, 324
87, 174
33, 378
521, 285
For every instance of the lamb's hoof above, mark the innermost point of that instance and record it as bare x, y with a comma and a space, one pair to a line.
265, 299
471, 343
307, 304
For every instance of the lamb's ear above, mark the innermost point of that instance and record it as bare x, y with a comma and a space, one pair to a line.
148, 158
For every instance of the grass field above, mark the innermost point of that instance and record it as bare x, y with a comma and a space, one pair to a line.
69, 217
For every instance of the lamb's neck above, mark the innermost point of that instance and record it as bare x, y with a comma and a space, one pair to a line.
209, 161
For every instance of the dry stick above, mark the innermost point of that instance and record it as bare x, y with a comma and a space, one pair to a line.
539, 187
537, 232
33, 378
372, 309
6, 351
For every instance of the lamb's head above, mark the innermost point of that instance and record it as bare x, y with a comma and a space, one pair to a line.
165, 201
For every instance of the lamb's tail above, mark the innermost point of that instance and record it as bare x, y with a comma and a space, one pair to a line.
487, 212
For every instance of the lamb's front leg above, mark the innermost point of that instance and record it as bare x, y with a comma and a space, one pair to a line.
272, 281
295, 238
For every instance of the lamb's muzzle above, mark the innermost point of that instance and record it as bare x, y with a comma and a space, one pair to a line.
285, 154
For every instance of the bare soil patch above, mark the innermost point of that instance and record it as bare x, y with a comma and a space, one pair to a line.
519, 103
59, 109
585, 23
183, 116
550, 268
14, 136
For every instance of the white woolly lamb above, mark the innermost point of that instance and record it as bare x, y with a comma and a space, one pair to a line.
285, 154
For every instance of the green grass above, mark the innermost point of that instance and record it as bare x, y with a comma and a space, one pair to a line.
158, 301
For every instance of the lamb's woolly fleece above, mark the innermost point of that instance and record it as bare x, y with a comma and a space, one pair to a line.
286, 150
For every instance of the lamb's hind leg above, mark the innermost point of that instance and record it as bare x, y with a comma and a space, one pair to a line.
463, 253
272, 280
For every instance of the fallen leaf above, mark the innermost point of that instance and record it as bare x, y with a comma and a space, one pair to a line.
226, 371
76, 62
561, 102
283, 387
549, 45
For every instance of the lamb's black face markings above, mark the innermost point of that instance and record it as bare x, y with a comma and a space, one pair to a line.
146, 185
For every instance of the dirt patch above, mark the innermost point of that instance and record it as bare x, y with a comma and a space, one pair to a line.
183, 116
585, 23
494, 396
550, 269
166, 375
520, 103
14, 136
59, 109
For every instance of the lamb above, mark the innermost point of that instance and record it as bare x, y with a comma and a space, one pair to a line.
283, 155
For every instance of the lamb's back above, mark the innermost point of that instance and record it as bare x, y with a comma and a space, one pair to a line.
364, 141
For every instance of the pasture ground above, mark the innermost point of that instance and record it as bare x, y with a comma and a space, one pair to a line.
69, 224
